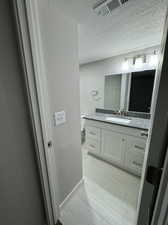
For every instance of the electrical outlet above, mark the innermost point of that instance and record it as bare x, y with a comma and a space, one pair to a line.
60, 117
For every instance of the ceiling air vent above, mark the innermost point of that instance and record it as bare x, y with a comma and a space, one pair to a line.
123, 1
113, 4
104, 7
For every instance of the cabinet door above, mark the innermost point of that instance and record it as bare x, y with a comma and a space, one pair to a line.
113, 146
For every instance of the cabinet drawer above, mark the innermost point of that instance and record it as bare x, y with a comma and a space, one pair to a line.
134, 160
93, 145
136, 144
92, 132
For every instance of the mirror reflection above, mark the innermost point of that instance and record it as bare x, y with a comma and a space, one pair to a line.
129, 92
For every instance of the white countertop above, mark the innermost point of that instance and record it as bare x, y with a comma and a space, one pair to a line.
120, 120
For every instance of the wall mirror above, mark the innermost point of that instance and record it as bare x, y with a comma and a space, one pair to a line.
130, 92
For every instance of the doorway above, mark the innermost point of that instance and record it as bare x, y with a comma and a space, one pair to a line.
87, 205
114, 151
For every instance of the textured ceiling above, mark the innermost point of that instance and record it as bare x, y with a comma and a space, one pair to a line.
136, 25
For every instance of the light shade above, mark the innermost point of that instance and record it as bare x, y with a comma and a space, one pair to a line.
153, 60
138, 62
125, 65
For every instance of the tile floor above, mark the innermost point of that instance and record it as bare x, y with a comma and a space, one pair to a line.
108, 196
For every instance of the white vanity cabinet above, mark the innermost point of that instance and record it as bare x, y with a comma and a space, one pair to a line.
120, 145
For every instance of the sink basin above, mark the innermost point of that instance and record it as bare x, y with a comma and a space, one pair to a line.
118, 120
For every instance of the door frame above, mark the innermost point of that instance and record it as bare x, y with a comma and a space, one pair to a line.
27, 26
33, 63
160, 207
160, 213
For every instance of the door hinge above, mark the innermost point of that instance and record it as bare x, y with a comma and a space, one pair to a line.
154, 175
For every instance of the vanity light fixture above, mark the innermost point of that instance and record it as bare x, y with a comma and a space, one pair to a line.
153, 60
139, 60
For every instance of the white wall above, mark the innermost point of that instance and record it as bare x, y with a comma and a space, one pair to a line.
92, 77
59, 40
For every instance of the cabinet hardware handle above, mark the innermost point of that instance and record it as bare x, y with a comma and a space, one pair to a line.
92, 146
92, 133
137, 164
139, 147
144, 134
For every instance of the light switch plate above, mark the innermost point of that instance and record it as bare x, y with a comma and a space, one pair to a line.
60, 117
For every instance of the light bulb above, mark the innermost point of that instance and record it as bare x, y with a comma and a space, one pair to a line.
125, 65
153, 60
138, 62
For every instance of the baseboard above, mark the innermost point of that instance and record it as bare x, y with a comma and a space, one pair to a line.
69, 196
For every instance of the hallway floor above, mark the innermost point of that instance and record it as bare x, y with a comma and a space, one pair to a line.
108, 196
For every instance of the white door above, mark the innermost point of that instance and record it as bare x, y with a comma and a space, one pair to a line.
43, 99
149, 211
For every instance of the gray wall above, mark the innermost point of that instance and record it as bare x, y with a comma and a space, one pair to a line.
60, 40
20, 193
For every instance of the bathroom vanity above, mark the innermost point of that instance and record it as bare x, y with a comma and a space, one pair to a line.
120, 141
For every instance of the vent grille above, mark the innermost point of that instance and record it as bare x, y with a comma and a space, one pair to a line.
99, 3
113, 4
123, 1
105, 7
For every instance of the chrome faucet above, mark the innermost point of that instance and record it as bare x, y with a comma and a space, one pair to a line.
121, 112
